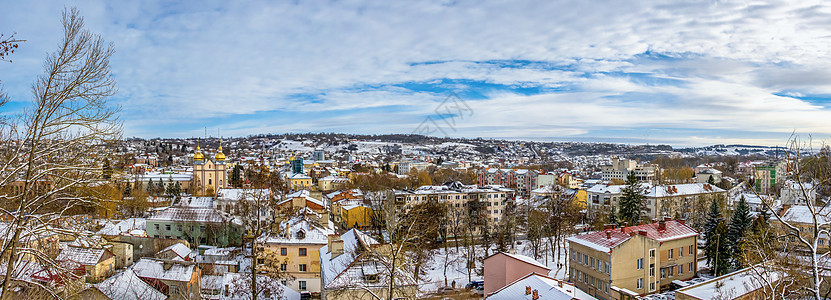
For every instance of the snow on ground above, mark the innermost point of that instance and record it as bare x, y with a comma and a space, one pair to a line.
456, 270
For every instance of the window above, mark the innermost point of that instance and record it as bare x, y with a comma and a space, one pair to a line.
202, 228
670, 253
691, 268
301, 252
608, 267
680, 269
640, 283
178, 227
579, 258
283, 251
174, 290
585, 259
681, 252
663, 273
283, 267
167, 227
301, 234
651, 270
302, 268
691, 250
670, 270
651, 286
191, 228
606, 287
301, 285
156, 225
640, 263
651, 253
592, 263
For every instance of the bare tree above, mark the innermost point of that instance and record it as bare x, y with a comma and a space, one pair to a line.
49, 149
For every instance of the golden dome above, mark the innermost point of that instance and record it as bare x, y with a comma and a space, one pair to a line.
198, 155
219, 154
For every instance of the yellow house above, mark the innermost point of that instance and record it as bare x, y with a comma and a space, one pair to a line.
98, 263
296, 247
300, 181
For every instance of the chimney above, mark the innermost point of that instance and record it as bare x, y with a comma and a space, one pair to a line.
667, 219
609, 226
682, 221
536, 295
330, 238
642, 232
337, 248
528, 290
608, 235
625, 224
560, 283
662, 225
640, 222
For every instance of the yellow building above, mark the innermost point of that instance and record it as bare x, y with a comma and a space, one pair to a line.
208, 175
621, 263
297, 248
356, 216
300, 181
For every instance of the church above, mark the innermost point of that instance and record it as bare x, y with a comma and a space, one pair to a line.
208, 175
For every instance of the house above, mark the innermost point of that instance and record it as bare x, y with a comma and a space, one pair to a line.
642, 259
743, 284
535, 286
356, 216
297, 246
125, 285
176, 279
800, 216
195, 223
299, 200
503, 268
98, 263
176, 251
350, 267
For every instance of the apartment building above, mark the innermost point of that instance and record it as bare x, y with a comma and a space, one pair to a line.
620, 169
522, 180
631, 261
296, 245
662, 200
493, 199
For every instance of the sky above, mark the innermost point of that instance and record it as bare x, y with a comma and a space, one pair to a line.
684, 73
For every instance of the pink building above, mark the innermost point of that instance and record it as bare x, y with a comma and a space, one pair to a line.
503, 268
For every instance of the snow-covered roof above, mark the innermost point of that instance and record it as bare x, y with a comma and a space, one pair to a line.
802, 214
123, 227
736, 284
127, 285
548, 289
302, 194
526, 259
151, 268
188, 214
179, 249
238, 194
354, 242
84, 256
312, 233
682, 189
598, 240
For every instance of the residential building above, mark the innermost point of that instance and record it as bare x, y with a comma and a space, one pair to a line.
300, 200
800, 216
619, 169
503, 268
237, 201
98, 263
663, 200
297, 247
535, 286
705, 175
196, 221
177, 251
123, 286
176, 279
522, 180
642, 259
745, 284
350, 267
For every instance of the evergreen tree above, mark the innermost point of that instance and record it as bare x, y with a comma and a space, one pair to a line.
711, 180
720, 250
713, 219
127, 190
631, 201
236, 176
177, 190
613, 216
107, 170
150, 187
739, 224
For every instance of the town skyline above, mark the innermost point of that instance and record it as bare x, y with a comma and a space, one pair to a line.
688, 75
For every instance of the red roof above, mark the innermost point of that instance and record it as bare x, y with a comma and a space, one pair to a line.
673, 230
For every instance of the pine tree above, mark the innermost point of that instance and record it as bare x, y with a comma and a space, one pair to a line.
739, 224
720, 249
127, 190
613, 216
236, 176
150, 187
711, 181
713, 219
631, 201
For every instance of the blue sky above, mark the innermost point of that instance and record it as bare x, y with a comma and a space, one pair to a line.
691, 73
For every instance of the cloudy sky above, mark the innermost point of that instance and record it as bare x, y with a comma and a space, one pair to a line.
689, 73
